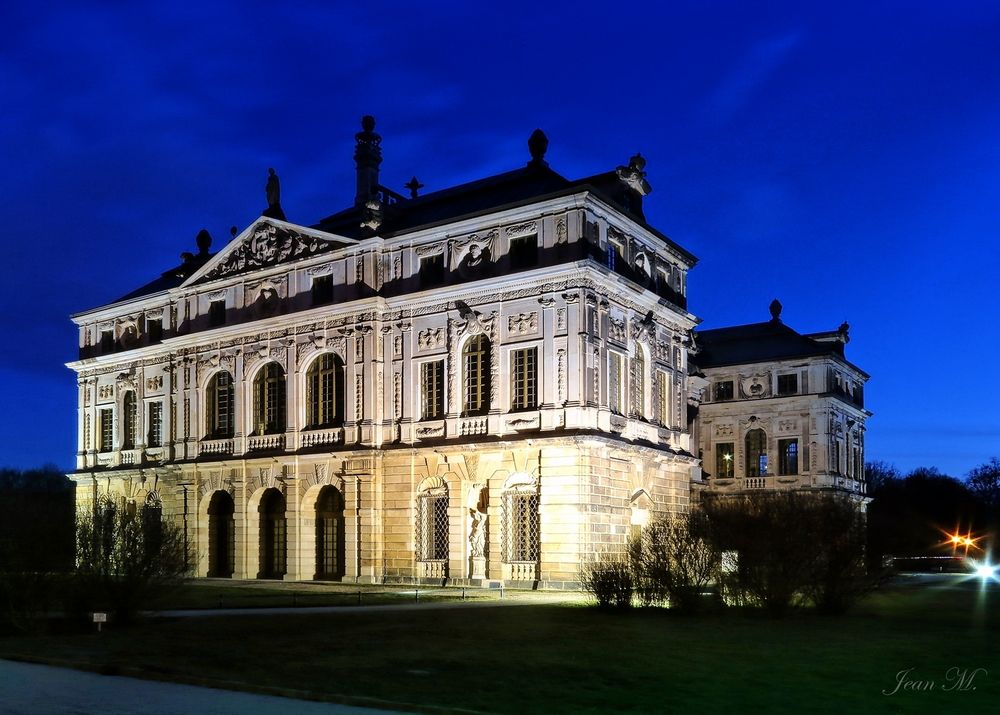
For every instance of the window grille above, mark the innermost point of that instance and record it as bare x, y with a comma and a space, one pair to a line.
325, 388
524, 379
269, 400
476, 359
432, 389
220, 406
520, 528
432, 525
129, 417
154, 438
107, 435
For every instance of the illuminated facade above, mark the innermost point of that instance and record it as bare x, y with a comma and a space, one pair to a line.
488, 383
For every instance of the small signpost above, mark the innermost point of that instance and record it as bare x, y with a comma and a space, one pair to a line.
100, 618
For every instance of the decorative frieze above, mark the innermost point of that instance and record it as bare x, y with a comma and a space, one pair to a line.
523, 323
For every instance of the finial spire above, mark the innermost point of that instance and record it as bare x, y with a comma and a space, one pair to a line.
273, 190
367, 158
775, 309
204, 241
538, 144
414, 186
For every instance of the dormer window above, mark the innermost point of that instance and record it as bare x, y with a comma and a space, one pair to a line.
107, 340
523, 251
154, 329
217, 313
432, 270
724, 391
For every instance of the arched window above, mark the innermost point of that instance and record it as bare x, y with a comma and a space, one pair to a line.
221, 535
756, 444
130, 418
639, 384
273, 550
432, 524
325, 392
219, 406
476, 364
520, 523
269, 400
329, 534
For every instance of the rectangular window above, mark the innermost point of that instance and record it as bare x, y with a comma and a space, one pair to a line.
523, 252
724, 391
154, 330
217, 313
107, 340
615, 255
788, 384
835, 457
322, 290
521, 510
524, 379
432, 527
725, 460
616, 391
663, 391
107, 433
432, 389
788, 456
155, 436
432, 270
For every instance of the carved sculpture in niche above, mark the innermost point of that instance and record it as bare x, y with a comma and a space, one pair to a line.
644, 328
473, 257
478, 504
561, 233
268, 245
523, 323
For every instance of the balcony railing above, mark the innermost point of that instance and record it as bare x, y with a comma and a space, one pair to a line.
315, 438
217, 446
266, 442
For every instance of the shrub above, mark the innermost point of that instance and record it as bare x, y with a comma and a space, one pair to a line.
609, 578
675, 562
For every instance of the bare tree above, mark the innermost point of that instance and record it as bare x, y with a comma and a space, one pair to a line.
675, 562
984, 481
878, 474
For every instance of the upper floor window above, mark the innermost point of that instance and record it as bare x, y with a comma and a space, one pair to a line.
106, 434
723, 391
154, 330
616, 253
432, 270
788, 456
524, 379
269, 400
756, 448
725, 460
217, 313
788, 384
129, 418
325, 398
154, 436
432, 389
107, 340
476, 363
219, 407
524, 251
663, 395
322, 289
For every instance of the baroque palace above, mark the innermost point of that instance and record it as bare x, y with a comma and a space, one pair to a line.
488, 383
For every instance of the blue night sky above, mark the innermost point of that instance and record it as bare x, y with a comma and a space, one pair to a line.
843, 158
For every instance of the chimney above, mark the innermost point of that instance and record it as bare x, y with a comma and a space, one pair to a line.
368, 157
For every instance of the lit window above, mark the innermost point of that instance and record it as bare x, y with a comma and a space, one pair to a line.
432, 525
325, 392
476, 361
154, 436
432, 389
219, 403
524, 379
725, 460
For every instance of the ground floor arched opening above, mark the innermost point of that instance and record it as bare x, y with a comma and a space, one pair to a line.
329, 535
273, 535
221, 535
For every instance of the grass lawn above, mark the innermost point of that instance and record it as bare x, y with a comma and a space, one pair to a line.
564, 658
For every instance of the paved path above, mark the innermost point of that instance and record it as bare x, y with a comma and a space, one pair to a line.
28, 689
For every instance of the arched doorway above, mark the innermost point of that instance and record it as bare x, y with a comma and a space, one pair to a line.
221, 535
329, 535
273, 552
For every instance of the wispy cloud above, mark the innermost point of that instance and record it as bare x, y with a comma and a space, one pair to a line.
753, 70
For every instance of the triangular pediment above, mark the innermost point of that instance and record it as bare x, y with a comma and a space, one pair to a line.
265, 243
